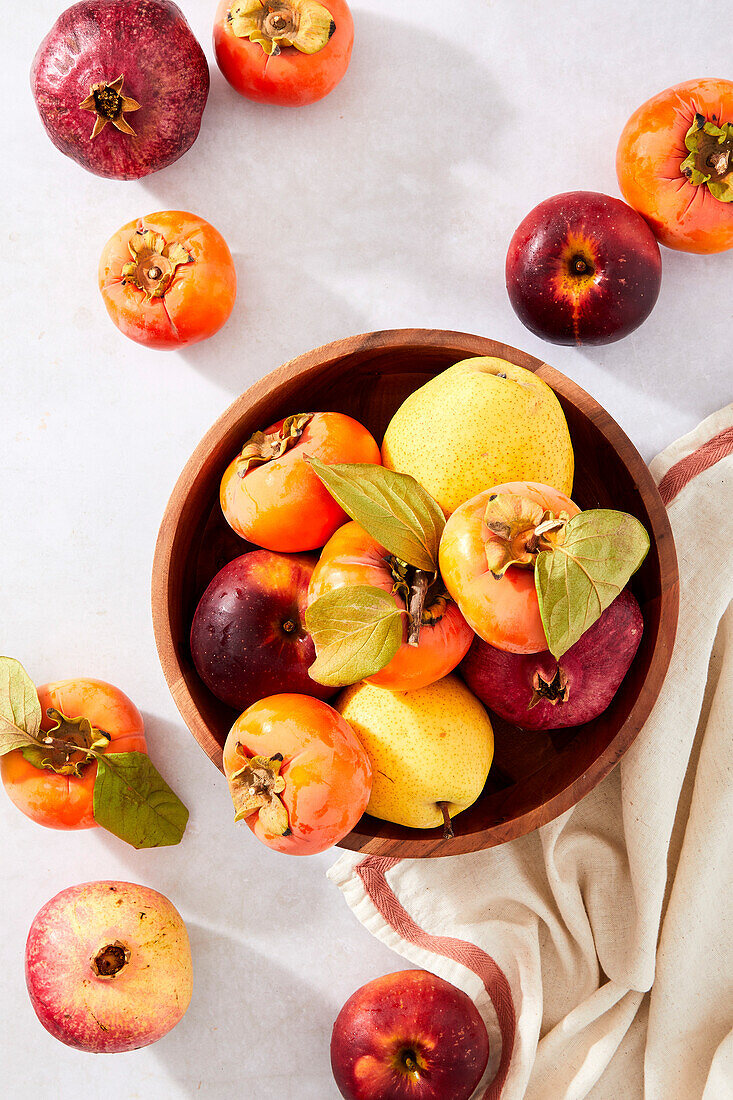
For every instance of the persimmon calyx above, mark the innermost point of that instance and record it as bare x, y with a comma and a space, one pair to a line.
154, 262
710, 159
68, 746
277, 24
255, 788
108, 103
519, 529
554, 691
263, 447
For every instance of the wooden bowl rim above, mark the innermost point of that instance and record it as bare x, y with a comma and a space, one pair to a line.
472, 345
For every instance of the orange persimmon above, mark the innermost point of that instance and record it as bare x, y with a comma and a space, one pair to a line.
287, 52
353, 557
59, 800
675, 165
502, 607
270, 495
297, 773
168, 280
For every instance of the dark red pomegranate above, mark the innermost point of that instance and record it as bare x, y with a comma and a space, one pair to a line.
121, 85
536, 692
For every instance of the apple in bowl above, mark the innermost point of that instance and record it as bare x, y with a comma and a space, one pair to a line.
409, 1034
583, 268
248, 636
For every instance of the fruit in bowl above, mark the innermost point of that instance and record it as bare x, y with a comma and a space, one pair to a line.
168, 280
675, 165
536, 691
409, 1034
121, 85
285, 52
368, 378
108, 966
297, 774
583, 268
430, 750
270, 496
248, 636
482, 421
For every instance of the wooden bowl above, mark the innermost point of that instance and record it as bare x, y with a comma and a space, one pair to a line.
535, 776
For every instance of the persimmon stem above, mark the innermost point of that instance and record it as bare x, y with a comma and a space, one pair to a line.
418, 592
448, 833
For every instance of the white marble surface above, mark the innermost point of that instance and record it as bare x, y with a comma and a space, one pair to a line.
389, 204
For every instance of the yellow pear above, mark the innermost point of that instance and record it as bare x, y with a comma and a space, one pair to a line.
480, 423
428, 746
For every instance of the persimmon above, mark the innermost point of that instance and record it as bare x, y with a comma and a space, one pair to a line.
489, 570
287, 52
269, 494
168, 279
60, 795
675, 165
297, 773
353, 557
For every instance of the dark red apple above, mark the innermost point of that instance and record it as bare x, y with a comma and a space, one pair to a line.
121, 85
408, 1035
248, 638
583, 268
536, 692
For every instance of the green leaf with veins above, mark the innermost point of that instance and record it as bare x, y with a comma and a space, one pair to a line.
393, 508
356, 630
133, 801
584, 573
20, 710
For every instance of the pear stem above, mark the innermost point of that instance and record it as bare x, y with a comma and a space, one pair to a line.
418, 592
448, 833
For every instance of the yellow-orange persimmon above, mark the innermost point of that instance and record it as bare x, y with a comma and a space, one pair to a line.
168, 280
297, 773
270, 495
502, 607
674, 157
353, 557
287, 52
65, 801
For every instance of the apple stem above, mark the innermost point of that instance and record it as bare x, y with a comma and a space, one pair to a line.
418, 592
448, 833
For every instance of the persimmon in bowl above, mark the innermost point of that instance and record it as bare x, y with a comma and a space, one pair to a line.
536, 775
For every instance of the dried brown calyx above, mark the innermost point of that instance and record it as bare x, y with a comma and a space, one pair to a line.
277, 24
108, 103
154, 262
710, 159
110, 960
554, 691
519, 529
424, 594
66, 746
263, 447
256, 787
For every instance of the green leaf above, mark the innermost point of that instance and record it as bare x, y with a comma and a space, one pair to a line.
356, 630
579, 578
393, 508
20, 710
133, 801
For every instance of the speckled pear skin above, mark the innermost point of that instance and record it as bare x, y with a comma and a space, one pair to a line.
425, 746
481, 422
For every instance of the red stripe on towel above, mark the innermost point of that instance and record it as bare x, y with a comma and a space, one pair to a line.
372, 871
687, 468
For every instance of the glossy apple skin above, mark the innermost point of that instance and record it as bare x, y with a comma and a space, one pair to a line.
410, 1014
130, 1009
248, 637
594, 667
622, 272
